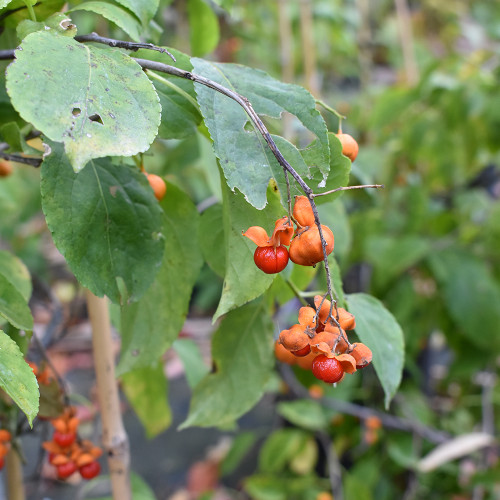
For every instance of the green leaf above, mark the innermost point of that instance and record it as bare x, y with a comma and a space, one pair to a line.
304, 413
13, 306
244, 156
116, 112
241, 445
146, 390
377, 328
4, 3
243, 355
340, 168
151, 325
243, 280
180, 115
106, 223
280, 449
212, 235
195, 367
16, 273
17, 378
392, 256
333, 215
115, 14
145, 10
203, 27
471, 296
140, 490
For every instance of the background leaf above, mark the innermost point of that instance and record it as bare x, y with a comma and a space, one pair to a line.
243, 356
179, 110
143, 9
17, 378
106, 223
195, 367
471, 296
116, 113
304, 413
244, 156
377, 328
151, 325
13, 306
14, 270
115, 14
203, 27
146, 391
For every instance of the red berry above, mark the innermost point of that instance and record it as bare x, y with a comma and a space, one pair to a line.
64, 439
271, 260
327, 369
2, 462
90, 470
302, 352
65, 470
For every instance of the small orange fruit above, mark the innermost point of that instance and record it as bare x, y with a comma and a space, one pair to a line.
284, 355
5, 168
350, 147
306, 248
294, 339
302, 211
158, 185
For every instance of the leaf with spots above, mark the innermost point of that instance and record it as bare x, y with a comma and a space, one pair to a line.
17, 378
96, 101
106, 222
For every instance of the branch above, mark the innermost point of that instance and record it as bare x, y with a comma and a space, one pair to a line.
134, 46
363, 412
259, 125
347, 188
34, 162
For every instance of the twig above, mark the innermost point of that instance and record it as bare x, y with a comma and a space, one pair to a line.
254, 117
347, 188
362, 412
34, 162
47, 360
134, 46
329, 108
296, 292
334, 470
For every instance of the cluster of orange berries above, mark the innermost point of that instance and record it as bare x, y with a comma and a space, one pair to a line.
319, 342
306, 249
5, 438
67, 453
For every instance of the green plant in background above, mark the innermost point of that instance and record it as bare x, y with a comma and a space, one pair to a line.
425, 246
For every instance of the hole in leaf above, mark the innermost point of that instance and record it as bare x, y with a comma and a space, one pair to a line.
76, 111
96, 118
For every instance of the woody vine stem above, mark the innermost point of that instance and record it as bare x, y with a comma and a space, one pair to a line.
150, 66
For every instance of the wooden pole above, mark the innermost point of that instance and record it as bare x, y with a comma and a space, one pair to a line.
114, 437
15, 485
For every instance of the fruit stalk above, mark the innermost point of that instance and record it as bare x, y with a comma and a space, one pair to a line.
114, 437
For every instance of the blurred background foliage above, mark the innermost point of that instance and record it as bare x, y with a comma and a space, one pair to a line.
419, 84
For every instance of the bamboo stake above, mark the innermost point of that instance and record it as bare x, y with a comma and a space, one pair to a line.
406, 35
15, 485
308, 47
114, 437
286, 57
